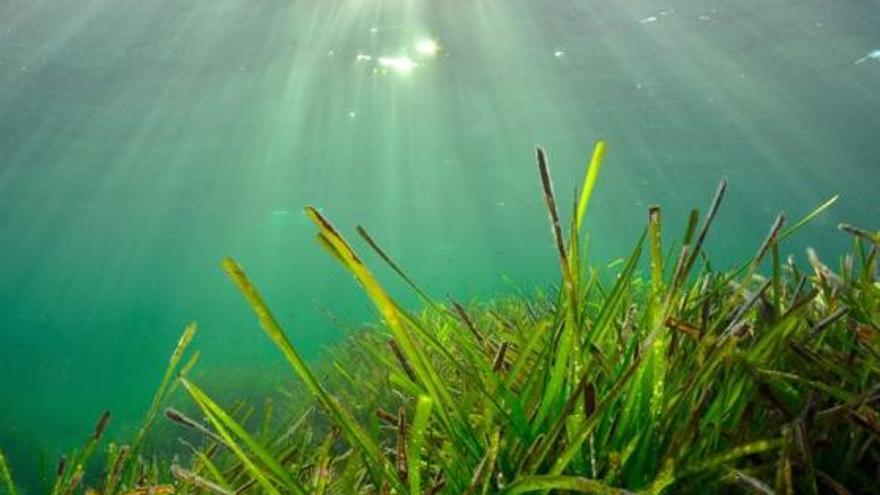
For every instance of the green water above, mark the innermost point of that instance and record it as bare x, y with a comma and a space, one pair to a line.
142, 141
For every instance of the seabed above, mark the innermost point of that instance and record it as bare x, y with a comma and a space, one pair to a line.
672, 378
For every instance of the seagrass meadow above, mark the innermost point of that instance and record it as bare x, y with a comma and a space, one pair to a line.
657, 374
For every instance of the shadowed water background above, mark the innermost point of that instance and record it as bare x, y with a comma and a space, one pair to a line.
142, 141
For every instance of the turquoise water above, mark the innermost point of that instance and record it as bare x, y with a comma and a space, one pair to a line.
142, 141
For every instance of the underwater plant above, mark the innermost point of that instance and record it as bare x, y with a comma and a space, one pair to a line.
681, 380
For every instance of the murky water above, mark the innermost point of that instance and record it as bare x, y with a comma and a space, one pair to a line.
142, 141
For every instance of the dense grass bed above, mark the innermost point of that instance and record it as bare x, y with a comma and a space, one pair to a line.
673, 378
